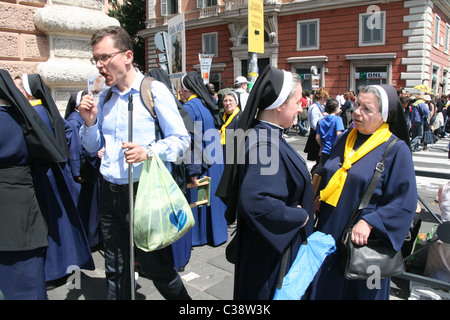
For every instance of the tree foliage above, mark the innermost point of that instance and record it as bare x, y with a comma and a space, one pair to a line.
132, 16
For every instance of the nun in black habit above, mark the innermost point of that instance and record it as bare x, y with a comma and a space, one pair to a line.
161, 75
24, 138
206, 160
54, 184
181, 249
273, 199
378, 118
85, 168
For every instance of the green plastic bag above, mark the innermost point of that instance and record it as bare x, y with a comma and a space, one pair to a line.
162, 214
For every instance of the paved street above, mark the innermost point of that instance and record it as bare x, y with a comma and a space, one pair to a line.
208, 276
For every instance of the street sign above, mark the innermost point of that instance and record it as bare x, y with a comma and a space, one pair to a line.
205, 65
256, 26
161, 40
176, 52
162, 57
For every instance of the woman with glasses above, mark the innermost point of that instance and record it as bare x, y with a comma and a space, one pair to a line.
378, 119
315, 114
230, 118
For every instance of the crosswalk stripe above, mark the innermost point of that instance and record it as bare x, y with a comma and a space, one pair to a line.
432, 166
432, 163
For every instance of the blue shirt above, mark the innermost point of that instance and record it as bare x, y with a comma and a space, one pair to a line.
419, 111
111, 129
327, 129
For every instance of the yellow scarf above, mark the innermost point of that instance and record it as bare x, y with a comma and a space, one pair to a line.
192, 97
227, 122
332, 191
36, 102
417, 102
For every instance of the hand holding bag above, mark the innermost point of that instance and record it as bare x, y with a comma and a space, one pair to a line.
162, 213
358, 262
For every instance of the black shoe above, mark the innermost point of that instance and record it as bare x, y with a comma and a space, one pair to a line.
53, 284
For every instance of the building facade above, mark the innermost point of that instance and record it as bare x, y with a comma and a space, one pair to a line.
51, 38
348, 43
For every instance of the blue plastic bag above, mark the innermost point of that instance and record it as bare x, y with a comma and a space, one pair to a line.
309, 258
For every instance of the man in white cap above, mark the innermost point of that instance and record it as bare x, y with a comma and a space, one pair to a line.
241, 87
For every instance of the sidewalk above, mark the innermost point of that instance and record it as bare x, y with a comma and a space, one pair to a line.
208, 275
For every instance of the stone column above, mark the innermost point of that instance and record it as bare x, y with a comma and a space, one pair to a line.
22, 47
69, 24
419, 42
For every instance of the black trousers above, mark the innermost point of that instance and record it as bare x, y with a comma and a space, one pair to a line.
114, 228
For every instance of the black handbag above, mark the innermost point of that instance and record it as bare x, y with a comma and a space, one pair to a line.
428, 137
362, 262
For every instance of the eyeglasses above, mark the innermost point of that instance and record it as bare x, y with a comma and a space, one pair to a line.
364, 110
103, 58
229, 100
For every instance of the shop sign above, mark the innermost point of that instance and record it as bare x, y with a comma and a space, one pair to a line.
370, 75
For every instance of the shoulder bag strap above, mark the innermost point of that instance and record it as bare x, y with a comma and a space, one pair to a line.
371, 187
147, 98
285, 257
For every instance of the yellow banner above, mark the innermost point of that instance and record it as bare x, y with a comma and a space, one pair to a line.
256, 26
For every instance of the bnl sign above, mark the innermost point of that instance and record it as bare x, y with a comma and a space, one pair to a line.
370, 75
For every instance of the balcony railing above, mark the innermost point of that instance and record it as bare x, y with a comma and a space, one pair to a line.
228, 6
236, 4
209, 11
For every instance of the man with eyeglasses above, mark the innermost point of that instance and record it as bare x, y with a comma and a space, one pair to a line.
106, 125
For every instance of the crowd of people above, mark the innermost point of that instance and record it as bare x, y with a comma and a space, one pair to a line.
426, 116
65, 180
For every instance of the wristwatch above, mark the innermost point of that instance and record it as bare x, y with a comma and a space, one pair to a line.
149, 151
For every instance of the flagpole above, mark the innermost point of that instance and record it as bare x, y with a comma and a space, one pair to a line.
130, 196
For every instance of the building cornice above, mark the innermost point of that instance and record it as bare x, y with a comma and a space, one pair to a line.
307, 59
297, 7
69, 29
237, 15
443, 5
372, 56
62, 19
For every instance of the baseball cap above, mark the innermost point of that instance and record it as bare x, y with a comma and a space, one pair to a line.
240, 79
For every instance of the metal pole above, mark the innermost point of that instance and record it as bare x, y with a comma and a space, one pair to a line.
252, 69
429, 210
166, 52
130, 194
